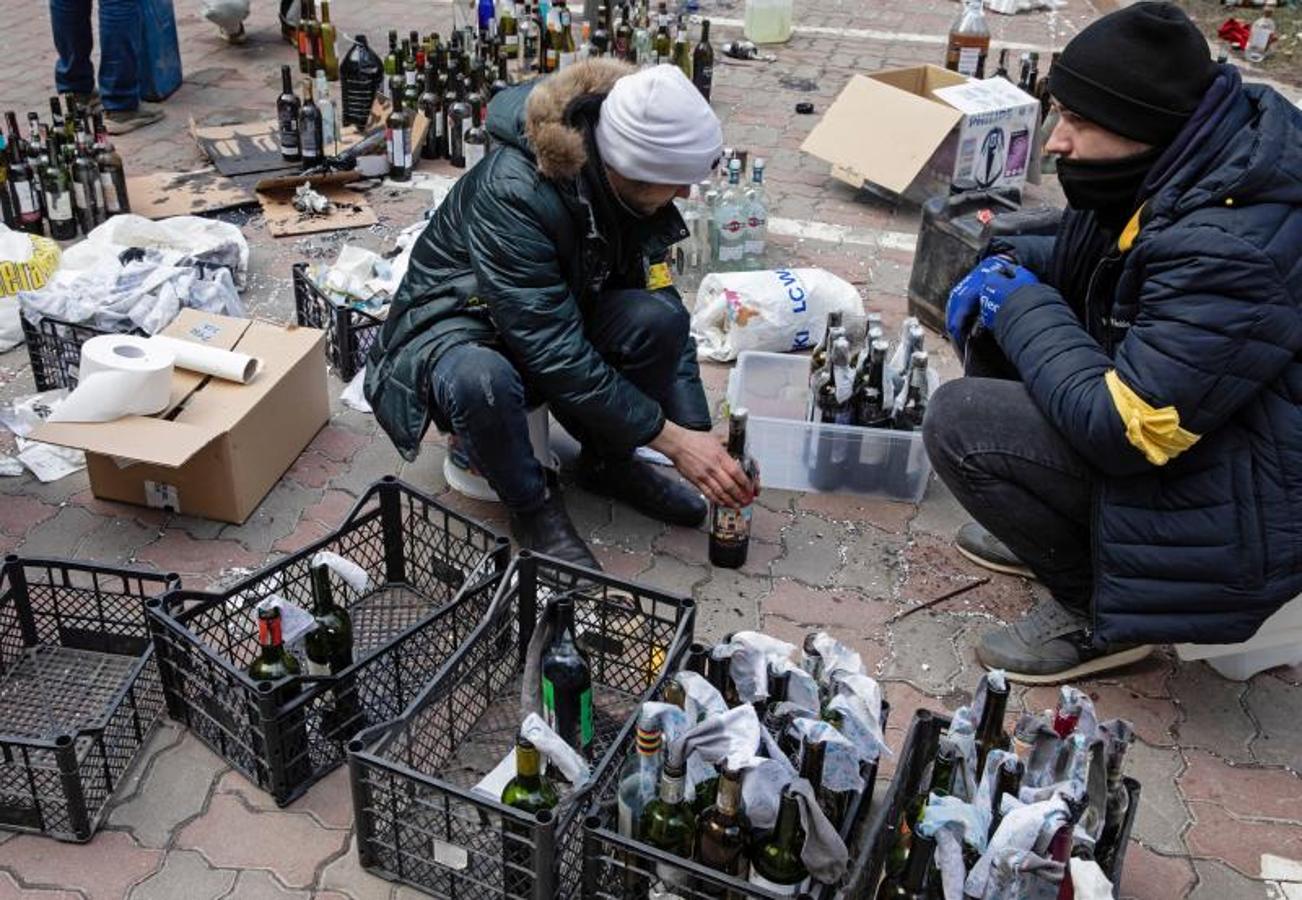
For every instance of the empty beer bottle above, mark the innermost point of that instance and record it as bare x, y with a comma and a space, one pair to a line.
775, 863
721, 832
870, 409
729, 527
567, 683
531, 792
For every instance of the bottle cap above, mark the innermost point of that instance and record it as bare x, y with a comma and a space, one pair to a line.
805, 108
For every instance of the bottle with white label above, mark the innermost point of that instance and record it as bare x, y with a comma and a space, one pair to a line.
112, 174
397, 136
969, 41
757, 218
730, 219
1261, 35
329, 118
775, 863
58, 194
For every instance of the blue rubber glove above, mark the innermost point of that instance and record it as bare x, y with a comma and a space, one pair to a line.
1001, 284
965, 299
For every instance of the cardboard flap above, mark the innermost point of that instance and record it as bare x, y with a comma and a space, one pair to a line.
881, 133
140, 438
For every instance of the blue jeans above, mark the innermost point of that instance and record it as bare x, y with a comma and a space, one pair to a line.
120, 22
480, 394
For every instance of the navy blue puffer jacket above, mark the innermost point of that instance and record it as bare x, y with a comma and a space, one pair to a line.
1184, 385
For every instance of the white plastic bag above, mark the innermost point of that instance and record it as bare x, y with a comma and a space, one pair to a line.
176, 241
26, 263
780, 310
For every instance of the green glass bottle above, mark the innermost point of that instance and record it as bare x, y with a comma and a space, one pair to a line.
663, 47
834, 804
911, 884
668, 824
329, 649
567, 683
274, 662
721, 833
942, 778
683, 54
531, 792
1009, 781
775, 863
990, 733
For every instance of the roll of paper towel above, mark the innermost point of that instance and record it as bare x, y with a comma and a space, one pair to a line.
120, 375
209, 360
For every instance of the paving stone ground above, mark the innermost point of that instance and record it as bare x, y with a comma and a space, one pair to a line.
1219, 761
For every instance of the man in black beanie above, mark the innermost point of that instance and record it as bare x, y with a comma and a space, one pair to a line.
1144, 459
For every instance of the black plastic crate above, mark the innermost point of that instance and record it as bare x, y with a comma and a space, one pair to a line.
433, 575
612, 861
418, 821
79, 690
349, 332
920, 747
54, 348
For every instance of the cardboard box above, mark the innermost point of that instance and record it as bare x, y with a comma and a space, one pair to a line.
219, 447
914, 131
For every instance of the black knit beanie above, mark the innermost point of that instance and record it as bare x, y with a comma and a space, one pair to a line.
1139, 72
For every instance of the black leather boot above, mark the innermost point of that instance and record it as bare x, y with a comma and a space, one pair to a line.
638, 484
548, 530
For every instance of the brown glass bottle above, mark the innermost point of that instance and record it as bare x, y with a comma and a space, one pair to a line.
729, 527
969, 41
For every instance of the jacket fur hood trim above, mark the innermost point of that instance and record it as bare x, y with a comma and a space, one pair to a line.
557, 145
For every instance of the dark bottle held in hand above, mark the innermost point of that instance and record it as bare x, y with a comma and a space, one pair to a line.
567, 684
730, 528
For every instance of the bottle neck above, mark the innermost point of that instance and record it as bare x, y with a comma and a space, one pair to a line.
729, 797
705, 31
286, 80
992, 713
322, 594
269, 637
788, 821
942, 773
811, 762
671, 786
915, 874
528, 763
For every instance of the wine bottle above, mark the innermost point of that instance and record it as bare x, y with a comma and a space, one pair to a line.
1008, 781
775, 863
567, 683
721, 833
329, 645
990, 734
729, 527
86, 189
58, 194
397, 137
911, 883
25, 190
624, 36
663, 47
915, 402
509, 29
667, 824
532, 792
703, 62
329, 55
834, 804
459, 113
288, 107
431, 104
698, 658
940, 784
329, 115
1118, 804
274, 662
310, 137
601, 35
475, 141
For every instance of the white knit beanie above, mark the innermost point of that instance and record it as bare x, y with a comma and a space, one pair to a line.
656, 127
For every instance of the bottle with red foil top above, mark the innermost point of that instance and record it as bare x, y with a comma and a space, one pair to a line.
1067, 715
274, 662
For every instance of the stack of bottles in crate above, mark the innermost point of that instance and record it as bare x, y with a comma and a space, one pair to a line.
875, 389
756, 763
1000, 817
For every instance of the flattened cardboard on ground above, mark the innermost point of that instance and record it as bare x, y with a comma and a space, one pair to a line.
241, 148
165, 194
351, 209
220, 446
915, 130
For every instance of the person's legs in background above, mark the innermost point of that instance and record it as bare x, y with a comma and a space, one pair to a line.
478, 393
120, 24
1011, 469
645, 336
74, 73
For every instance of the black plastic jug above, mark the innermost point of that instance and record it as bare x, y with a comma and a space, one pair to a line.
360, 74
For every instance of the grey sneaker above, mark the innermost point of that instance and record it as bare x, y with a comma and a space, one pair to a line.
986, 550
121, 121
1051, 644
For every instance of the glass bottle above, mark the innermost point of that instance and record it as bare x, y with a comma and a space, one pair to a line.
567, 52
58, 194
274, 662
667, 824
731, 222
642, 55
940, 784
624, 36
1261, 35
567, 683
361, 73
508, 27
870, 387
911, 883
86, 189
476, 138
601, 35
311, 137
329, 644
329, 55
663, 48
287, 110
703, 62
683, 54
397, 138
459, 114
431, 105
1008, 781
757, 218
775, 863
640, 775
391, 62
329, 115
990, 734
915, 402
729, 527
969, 41
25, 189
721, 832
1118, 805
531, 792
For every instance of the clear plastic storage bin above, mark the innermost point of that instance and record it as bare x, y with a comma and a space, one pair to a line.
798, 455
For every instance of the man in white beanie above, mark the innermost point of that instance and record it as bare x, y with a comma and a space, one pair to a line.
543, 277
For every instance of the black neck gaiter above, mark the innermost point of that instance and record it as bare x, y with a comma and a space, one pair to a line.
1109, 188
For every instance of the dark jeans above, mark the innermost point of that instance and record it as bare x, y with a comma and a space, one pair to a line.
1017, 476
120, 23
480, 394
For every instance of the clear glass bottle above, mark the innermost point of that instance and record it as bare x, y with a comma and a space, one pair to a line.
969, 41
730, 219
1261, 36
757, 218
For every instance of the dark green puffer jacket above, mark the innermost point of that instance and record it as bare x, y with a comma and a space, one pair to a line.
523, 246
